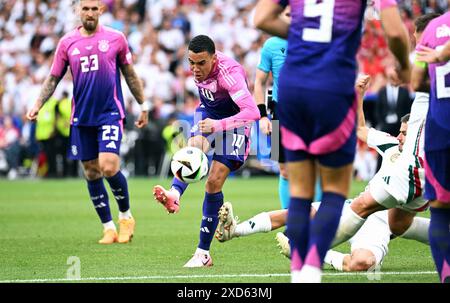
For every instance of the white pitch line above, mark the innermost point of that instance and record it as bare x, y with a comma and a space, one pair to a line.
213, 276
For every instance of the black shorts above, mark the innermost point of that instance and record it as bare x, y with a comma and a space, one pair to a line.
273, 109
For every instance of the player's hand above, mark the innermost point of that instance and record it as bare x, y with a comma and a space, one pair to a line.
32, 114
142, 121
362, 84
206, 126
265, 125
427, 54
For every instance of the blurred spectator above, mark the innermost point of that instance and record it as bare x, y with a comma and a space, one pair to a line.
9, 145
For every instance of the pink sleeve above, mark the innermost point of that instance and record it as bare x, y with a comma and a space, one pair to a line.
60, 62
237, 89
382, 4
125, 56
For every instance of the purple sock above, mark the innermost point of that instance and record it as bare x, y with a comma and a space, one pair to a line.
298, 230
210, 220
179, 186
119, 188
440, 241
99, 197
323, 228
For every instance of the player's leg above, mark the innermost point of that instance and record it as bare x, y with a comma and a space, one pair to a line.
84, 147
283, 186
211, 204
301, 183
263, 222
406, 225
437, 190
110, 167
171, 198
109, 139
335, 184
361, 207
99, 197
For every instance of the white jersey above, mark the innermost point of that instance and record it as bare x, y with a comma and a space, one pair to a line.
401, 178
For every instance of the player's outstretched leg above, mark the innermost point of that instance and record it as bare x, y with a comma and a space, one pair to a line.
99, 197
227, 223
119, 187
170, 199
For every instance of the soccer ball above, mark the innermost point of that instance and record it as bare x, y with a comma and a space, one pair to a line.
189, 165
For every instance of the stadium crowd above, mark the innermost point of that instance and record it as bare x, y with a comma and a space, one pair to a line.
157, 32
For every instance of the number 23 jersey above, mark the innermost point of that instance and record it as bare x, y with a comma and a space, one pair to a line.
94, 63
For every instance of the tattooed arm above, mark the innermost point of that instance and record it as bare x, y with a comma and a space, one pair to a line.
47, 91
135, 85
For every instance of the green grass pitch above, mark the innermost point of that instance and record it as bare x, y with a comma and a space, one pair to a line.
43, 223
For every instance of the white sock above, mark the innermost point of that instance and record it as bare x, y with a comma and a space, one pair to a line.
418, 230
176, 192
258, 224
349, 224
109, 225
310, 274
295, 276
335, 259
201, 251
125, 215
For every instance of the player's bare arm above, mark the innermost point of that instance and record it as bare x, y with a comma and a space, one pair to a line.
47, 91
258, 95
419, 77
361, 86
398, 39
267, 18
136, 88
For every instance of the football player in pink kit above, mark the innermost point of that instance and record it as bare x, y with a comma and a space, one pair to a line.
222, 122
95, 54
434, 48
317, 107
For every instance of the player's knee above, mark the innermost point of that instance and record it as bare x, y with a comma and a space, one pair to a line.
92, 174
109, 169
361, 263
214, 183
398, 228
283, 171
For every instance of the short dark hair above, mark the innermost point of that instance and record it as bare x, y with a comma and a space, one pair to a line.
405, 118
422, 21
202, 43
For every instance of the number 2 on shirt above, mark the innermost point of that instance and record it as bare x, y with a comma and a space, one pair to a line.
325, 11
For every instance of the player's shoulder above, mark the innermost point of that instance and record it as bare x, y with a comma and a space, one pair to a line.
227, 69
112, 32
71, 35
437, 28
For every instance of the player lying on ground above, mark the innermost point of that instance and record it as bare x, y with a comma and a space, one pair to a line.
222, 122
369, 245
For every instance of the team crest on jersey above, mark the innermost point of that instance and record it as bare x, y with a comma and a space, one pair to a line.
443, 31
103, 45
394, 157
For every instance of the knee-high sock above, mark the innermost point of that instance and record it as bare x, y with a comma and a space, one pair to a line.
298, 230
349, 224
99, 197
119, 188
210, 220
283, 192
418, 230
440, 241
323, 228
260, 223
179, 186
